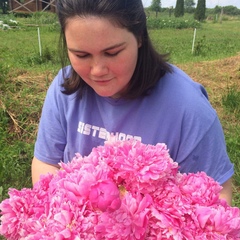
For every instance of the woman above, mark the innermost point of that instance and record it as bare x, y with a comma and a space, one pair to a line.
118, 86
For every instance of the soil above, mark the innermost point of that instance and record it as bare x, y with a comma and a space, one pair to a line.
217, 77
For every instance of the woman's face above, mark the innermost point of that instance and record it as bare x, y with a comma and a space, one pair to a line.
102, 54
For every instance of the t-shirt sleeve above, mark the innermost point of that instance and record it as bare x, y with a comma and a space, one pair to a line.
210, 155
51, 138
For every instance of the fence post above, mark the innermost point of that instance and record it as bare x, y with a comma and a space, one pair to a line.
194, 37
39, 43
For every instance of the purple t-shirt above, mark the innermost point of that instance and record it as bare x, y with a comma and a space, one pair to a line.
176, 112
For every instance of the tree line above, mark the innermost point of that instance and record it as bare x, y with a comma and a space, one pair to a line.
181, 7
188, 6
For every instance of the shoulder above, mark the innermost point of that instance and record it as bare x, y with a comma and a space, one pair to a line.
178, 83
184, 101
177, 90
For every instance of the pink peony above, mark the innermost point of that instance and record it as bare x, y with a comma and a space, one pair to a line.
199, 188
128, 222
122, 190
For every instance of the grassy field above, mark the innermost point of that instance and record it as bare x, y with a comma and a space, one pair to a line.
25, 77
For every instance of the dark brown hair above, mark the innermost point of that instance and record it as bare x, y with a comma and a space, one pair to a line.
129, 14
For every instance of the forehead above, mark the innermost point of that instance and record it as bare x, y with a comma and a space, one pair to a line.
92, 22
94, 31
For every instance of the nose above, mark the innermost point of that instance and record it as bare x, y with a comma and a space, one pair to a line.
99, 67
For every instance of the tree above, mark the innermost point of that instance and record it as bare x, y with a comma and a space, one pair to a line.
156, 6
217, 9
200, 10
231, 10
228, 10
4, 6
189, 6
179, 9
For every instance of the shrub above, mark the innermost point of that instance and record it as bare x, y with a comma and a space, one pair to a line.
201, 47
177, 23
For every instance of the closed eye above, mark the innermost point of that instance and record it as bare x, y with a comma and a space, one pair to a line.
83, 56
112, 54
108, 54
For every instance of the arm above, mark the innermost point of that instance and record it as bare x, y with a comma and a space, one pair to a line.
39, 168
226, 192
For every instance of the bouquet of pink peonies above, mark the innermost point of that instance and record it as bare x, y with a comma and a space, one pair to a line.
122, 190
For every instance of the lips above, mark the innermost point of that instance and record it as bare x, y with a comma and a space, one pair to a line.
101, 80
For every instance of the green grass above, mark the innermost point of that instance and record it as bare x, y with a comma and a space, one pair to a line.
20, 48
231, 102
214, 41
25, 77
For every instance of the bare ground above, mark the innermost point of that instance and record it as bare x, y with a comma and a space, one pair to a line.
217, 77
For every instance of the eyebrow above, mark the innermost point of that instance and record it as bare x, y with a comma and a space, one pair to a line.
106, 49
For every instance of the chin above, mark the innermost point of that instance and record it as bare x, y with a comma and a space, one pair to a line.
110, 95
104, 94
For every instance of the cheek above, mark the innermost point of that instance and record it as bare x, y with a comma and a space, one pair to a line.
129, 64
80, 67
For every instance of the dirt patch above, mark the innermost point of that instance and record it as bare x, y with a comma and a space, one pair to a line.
217, 77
